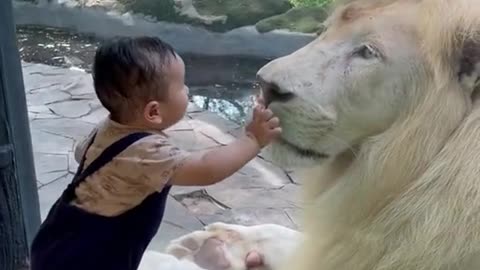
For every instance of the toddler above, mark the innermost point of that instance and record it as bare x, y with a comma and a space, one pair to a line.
114, 205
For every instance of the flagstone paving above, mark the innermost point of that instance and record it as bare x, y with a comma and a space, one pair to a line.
63, 109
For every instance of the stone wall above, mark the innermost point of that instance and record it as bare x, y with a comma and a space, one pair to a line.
259, 28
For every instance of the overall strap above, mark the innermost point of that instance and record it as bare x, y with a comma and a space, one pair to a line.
108, 154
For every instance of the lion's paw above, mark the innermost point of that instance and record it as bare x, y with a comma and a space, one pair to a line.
204, 248
188, 244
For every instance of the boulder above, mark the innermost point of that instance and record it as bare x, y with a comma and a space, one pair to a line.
240, 12
215, 15
311, 3
161, 10
298, 19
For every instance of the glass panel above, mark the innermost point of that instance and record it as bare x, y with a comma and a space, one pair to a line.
223, 42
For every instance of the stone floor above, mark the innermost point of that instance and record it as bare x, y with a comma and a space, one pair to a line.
63, 108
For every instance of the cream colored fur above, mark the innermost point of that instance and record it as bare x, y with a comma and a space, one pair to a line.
403, 194
275, 244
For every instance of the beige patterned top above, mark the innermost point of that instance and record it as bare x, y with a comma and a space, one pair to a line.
143, 168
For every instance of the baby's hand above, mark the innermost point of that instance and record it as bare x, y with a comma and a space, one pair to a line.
264, 127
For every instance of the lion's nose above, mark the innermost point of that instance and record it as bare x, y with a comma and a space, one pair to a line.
272, 92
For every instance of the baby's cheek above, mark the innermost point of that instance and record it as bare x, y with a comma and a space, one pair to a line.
211, 255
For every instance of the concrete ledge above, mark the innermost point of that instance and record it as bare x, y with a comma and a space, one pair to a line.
245, 41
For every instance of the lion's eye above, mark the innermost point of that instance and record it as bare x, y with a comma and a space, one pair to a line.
367, 52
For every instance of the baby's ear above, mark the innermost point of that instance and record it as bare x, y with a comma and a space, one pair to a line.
152, 112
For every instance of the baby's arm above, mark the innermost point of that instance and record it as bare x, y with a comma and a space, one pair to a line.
82, 145
215, 165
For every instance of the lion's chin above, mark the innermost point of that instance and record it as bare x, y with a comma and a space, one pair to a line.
284, 156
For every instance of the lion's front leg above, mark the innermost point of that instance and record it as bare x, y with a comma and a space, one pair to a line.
235, 247
219, 247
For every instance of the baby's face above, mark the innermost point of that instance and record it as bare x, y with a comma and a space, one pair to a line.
175, 105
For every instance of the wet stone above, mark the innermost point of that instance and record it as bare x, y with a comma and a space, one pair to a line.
176, 213
176, 222
266, 171
183, 125
191, 141
252, 197
296, 177
199, 202
95, 116
295, 214
80, 84
46, 96
250, 216
50, 193
49, 167
44, 78
45, 142
71, 108
179, 190
69, 128
206, 119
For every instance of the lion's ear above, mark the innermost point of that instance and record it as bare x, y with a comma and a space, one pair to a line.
469, 67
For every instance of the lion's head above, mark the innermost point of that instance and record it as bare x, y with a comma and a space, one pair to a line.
386, 100
369, 70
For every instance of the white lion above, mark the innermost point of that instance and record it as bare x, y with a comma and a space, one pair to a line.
384, 107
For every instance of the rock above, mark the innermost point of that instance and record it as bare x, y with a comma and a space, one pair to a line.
299, 19
46, 96
295, 215
190, 141
68, 128
216, 15
104, 4
96, 115
50, 193
250, 216
240, 13
71, 108
50, 167
255, 197
161, 10
46, 142
176, 222
199, 202
187, 9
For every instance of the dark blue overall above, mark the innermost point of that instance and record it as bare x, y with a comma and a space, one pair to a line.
73, 239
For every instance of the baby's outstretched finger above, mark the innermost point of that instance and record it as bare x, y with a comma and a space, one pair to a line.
259, 100
273, 122
257, 112
276, 131
267, 114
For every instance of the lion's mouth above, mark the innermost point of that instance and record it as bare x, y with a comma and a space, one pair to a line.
303, 152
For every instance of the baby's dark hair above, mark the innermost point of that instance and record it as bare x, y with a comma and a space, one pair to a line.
128, 72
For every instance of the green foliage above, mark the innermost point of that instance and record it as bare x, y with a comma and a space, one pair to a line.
310, 3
